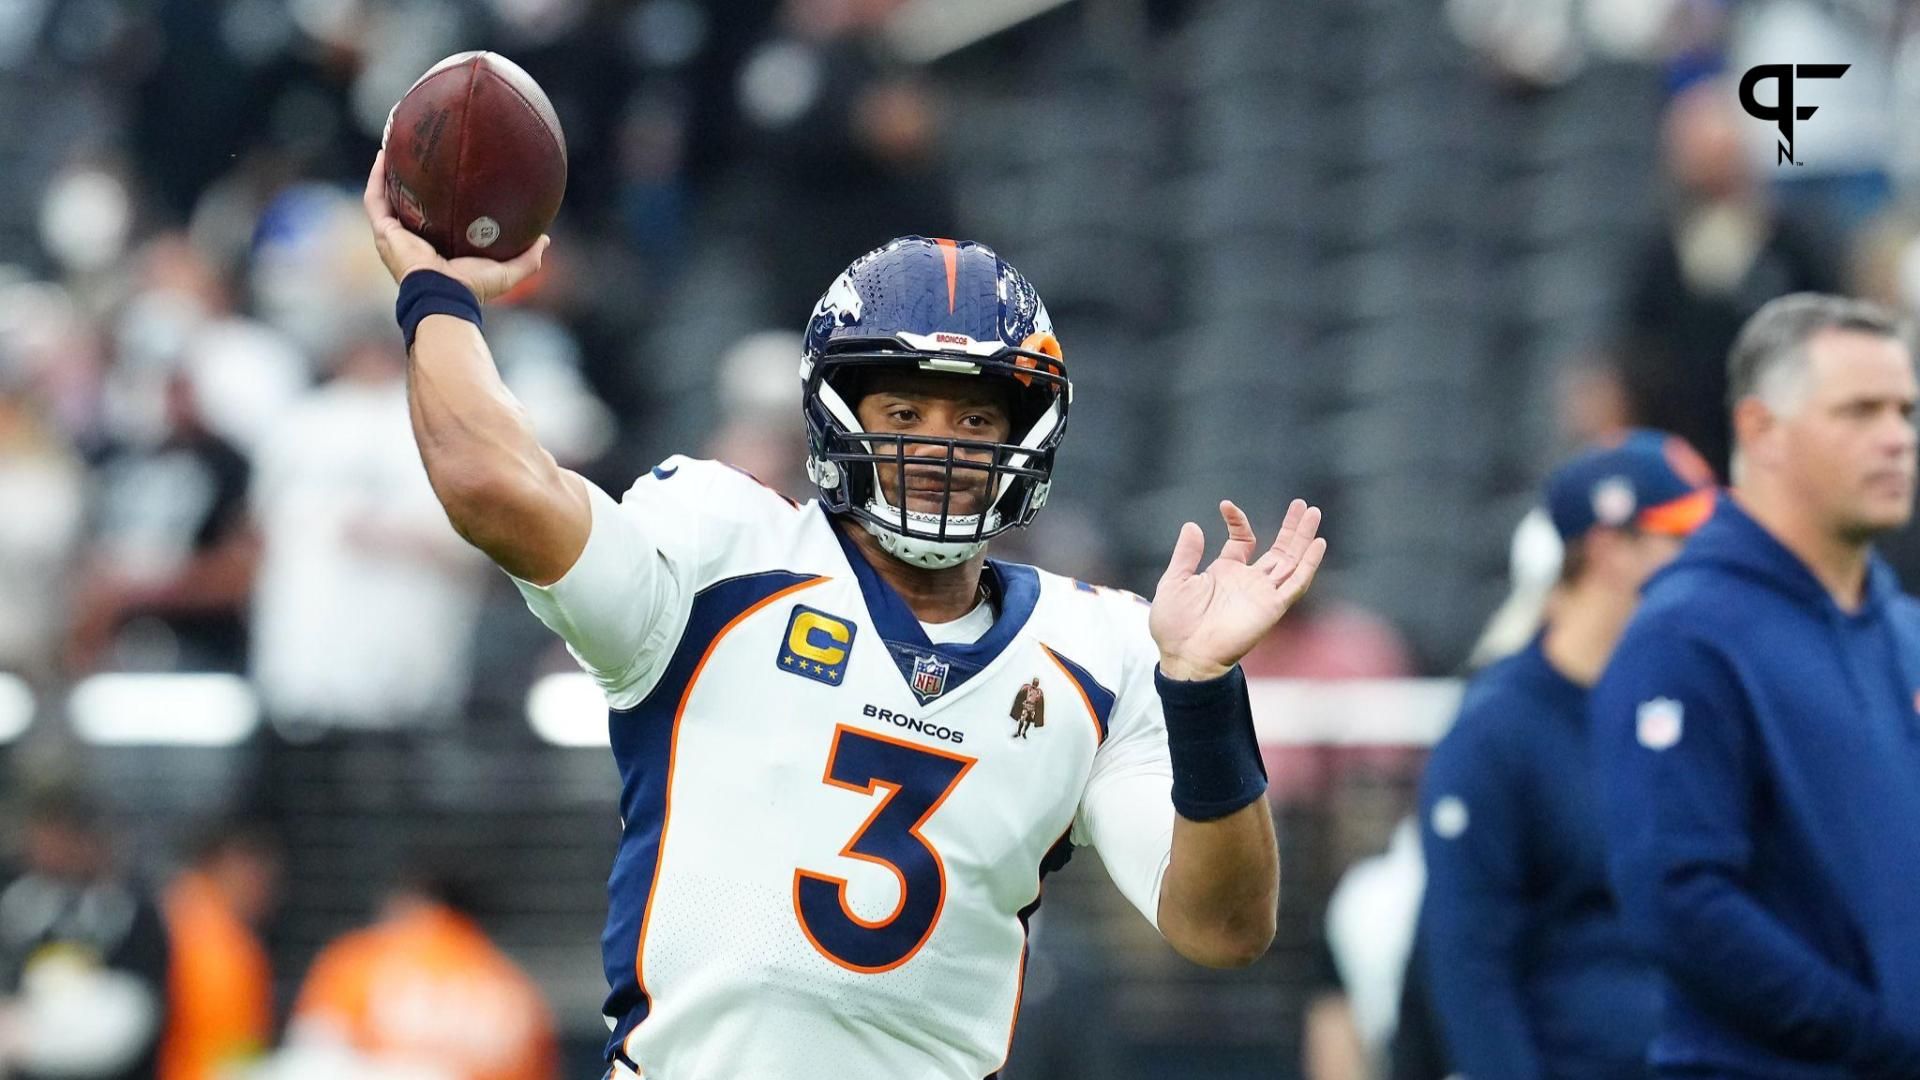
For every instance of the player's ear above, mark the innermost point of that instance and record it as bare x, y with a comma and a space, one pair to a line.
1754, 424
1612, 556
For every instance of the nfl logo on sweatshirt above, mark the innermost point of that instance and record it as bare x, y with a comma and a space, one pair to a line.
1658, 723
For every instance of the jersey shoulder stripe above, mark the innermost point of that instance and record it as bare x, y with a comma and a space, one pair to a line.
1098, 699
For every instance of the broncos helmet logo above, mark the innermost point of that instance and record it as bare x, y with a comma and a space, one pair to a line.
841, 302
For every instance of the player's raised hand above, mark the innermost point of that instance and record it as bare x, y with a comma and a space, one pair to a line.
1205, 620
404, 252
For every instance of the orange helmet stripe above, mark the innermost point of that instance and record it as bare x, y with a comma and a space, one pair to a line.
951, 251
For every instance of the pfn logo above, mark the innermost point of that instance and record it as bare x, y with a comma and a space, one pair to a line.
1782, 112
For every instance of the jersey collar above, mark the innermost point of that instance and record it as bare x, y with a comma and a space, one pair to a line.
1015, 588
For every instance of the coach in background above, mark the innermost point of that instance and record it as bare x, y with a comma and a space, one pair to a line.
1757, 735
1527, 964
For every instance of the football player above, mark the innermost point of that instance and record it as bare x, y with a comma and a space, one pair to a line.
832, 842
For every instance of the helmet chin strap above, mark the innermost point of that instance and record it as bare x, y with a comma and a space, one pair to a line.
920, 551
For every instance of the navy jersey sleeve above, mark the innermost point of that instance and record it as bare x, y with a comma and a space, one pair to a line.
1681, 771
1473, 823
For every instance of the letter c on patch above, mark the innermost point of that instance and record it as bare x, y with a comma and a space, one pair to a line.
818, 638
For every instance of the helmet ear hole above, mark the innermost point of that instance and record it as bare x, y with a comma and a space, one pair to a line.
823, 473
1044, 343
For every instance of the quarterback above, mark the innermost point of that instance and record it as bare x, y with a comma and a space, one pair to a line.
834, 830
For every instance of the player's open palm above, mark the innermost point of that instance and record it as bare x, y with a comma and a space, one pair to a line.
405, 251
1205, 620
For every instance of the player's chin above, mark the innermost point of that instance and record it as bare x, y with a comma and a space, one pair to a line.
936, 503
1885, 516
1876, 513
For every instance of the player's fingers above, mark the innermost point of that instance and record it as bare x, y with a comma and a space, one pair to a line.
1295, 584
1285, 559
1288, 539
1240, 537
490, 278
1296, 512
1186, 553
527, 263
1286, 544
1310, 519
1303, 534
375, 197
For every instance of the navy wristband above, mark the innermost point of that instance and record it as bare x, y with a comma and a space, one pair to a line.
430, 292
1216, 757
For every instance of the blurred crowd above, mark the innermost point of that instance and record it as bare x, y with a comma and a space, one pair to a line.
108, 981
201, 394
206, 462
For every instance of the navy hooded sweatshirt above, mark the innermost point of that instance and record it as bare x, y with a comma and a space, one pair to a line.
1759, 757
1528, 966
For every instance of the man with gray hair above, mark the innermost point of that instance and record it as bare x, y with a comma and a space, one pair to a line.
1758, 731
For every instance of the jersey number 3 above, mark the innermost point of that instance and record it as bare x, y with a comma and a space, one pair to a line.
914, 781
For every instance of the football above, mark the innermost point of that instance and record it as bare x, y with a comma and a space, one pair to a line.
476, 162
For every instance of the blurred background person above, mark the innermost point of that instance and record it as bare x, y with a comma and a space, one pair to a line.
1528, 964
1725, 248
1360, 1023
1758, 721
1533, 567
220, 984
83, 952
1331, 1046
1417, 1050
843, 142
171, 552
365, 612
760, 430
43, 482
1374, 910
424, 993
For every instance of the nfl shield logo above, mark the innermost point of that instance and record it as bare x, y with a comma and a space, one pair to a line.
929, 676
1659, 723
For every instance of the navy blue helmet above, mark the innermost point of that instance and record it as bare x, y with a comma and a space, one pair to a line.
939, 306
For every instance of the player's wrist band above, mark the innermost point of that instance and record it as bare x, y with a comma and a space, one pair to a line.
1216, 757
429, 292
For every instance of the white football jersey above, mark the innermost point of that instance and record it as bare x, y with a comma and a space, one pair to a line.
835, 828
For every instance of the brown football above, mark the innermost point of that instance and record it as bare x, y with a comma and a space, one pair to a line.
476, 162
